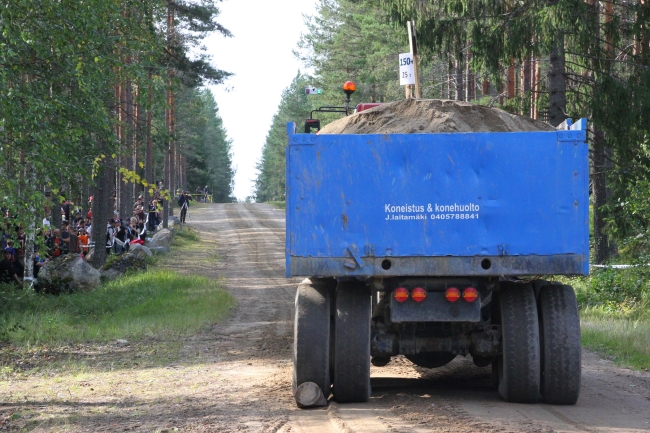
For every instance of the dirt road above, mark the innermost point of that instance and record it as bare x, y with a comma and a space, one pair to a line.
236, 377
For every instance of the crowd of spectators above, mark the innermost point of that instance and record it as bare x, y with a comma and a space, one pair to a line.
75, 234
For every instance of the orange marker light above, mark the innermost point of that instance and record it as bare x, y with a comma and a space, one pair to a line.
418, 294
349, 86
452, 294
401, 294
470, 294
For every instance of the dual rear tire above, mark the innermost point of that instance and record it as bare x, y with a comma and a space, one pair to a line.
332, 339
541, 344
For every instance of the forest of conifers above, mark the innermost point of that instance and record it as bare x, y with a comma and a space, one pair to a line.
547, 59
99, 96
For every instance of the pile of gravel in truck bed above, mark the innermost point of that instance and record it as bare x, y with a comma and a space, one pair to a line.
412, 116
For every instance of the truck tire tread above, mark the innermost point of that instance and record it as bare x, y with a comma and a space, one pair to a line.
519, 378
311, 347
351, 382
560, 344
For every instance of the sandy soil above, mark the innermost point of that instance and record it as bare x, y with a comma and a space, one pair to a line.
413, 116
236, 376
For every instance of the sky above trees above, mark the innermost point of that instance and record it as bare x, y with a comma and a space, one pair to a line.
260, 56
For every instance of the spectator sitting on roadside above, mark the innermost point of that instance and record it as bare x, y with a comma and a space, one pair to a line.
110, 235
56, 243
7, 272
73, 244
83, 239
18, 262
38, 264
136, 241
120, 238
65, 238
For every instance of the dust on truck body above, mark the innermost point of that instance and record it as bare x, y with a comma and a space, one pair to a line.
434, 246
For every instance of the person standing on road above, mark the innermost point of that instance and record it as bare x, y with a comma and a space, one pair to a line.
184, 204
205, 194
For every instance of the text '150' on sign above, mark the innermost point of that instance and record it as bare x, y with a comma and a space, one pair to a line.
406, 69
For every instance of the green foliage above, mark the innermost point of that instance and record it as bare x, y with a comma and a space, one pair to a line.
295, 106
61, 63
151, 304
618, 291
205, 144
350, 40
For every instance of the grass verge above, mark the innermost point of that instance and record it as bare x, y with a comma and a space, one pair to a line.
137, 321
624, 341
615, 315
157, 303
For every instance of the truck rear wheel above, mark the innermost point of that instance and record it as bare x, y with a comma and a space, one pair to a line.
352, 343
559, 332
519, 366
311, 343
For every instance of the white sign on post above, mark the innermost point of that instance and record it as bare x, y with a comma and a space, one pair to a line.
406, 69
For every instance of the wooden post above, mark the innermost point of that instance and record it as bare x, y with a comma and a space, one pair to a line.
414, 52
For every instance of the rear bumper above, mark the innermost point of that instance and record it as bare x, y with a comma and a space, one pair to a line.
483, 266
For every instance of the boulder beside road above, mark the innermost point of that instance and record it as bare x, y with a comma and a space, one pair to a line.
140, 250
162, 238
68, 273
123, 264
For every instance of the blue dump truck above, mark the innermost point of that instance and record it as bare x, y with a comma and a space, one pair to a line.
434, 246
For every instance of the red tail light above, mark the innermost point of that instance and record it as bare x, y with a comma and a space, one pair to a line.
470, 294
401, 294
452, 294
418, 294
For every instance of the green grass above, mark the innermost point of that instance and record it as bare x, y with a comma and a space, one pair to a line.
615, 314
278, 204
625, 341
185, 236
157, 304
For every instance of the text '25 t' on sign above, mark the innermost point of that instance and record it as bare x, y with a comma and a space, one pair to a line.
406, 70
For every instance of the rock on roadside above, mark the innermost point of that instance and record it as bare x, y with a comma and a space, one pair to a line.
123, 264
140, 250
68, 273
162, 238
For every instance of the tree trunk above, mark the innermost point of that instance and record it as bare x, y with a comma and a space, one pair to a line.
485, 88
458, 69
56, 211
30, 234
148, 168
599, 196
525, 83
171, 154
471, 82
450, 80
510, 80
102, 210
556, 83
129, 130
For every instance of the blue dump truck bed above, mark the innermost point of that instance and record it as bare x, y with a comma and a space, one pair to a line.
470, 204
